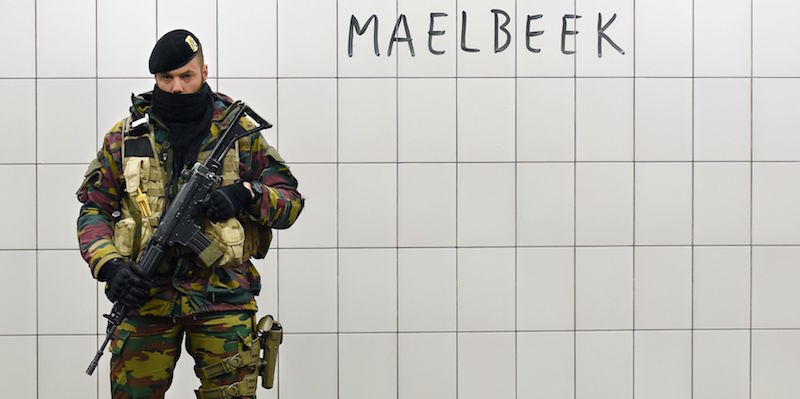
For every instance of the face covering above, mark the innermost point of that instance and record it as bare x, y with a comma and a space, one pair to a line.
187, 117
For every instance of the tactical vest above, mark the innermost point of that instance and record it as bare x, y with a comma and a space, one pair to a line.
144, 201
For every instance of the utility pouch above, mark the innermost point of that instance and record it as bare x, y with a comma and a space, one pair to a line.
270, 333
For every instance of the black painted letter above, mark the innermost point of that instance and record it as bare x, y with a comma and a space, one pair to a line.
432, 33
464, 34
407, 38
355, 26
498, 28
565, 32
601, 35
529, 34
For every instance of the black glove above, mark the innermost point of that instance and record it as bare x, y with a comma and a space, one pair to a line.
225, 202
124, 284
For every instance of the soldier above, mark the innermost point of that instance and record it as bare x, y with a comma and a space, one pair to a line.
125, 191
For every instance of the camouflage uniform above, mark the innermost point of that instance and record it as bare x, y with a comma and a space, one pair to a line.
213, 306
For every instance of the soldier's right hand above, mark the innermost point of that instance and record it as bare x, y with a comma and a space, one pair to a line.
124, 284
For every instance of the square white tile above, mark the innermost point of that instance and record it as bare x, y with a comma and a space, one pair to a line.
301, 272
774, 31
61, 366
121, 54
426, 120
23, 178
429, 219
545, 119
775, 193
202, 22
620, 31
486, 374
248, 38
664, 203
775, 297
367, 290
486, 111
548, 61
18, 300
65, 39
722, 39
307, 40
775, 118
367, 120
545, 289
663, 119
664, 38
307, 118
114, 101
434, 55
604, 119
603, 365
368, 366
485, 219
308, 366
774, 364
63, 136
546, 202
365, 54
721, 287
426, 289
262, 97
367, 205
546, 365
721, 119
426, 366
19, 49
59, 271
663, 364
18, 110
604, 204
316, 226
604, 288
476, 30
19, 377
722, 203
721, 364
486, 289
663, 287
56, 225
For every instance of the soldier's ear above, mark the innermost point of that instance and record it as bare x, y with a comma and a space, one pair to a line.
205, 72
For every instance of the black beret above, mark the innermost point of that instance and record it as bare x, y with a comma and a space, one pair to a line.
174, 50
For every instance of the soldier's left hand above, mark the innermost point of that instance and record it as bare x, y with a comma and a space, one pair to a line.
227, 201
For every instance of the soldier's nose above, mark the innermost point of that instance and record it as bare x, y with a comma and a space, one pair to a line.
177, 88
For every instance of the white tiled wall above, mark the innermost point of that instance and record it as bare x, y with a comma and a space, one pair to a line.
477, 224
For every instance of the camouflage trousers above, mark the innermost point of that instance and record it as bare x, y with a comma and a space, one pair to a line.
145, 350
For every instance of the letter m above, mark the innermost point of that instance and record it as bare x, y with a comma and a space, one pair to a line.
354, 26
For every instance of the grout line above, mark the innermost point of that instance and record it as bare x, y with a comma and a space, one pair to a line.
633, 255
97, 145
397, 214
574, 214
405, 77
692, 287
338, 216
36, 179
516, 206
456, 200
750, 321
454, 163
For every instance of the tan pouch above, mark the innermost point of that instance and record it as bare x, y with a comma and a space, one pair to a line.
228, 236
125, 236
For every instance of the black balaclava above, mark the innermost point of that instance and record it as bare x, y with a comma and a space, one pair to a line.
188, 119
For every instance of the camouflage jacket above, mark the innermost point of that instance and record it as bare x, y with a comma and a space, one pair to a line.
182, 286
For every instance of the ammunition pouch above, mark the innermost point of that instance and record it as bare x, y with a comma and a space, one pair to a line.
228, 236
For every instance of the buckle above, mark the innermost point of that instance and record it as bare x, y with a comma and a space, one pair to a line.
232, 390
235, 362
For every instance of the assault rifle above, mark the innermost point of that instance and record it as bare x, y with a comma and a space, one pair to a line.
178, 225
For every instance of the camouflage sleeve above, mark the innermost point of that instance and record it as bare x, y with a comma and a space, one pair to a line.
100, 194
281, 203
